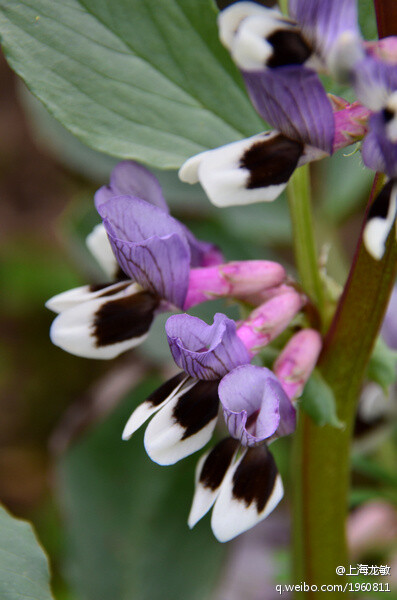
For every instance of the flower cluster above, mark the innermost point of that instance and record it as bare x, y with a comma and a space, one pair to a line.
154, 264
280, 58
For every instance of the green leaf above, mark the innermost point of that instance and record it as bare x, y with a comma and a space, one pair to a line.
126, 519
382, 367
24, 569
133, 78
318, 402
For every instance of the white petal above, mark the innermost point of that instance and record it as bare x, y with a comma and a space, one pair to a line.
223, 178
377, 229
99, 246
230, 19
164, 437
208, 485
75, 330
79, 295
189, 170
145, 410
203, 497
391, 127
232, 516
250, 50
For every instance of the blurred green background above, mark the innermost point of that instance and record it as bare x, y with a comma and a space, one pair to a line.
112, 522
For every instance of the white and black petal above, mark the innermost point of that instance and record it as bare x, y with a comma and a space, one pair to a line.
99, 246
108, 325
259, 37
249, 493
156, 401
210, 472
381, 218
85, 293
184, 425
256, 169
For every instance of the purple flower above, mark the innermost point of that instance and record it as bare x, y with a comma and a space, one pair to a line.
239, 475
255, 406
216, 371
187, 406
154, 263
278, 57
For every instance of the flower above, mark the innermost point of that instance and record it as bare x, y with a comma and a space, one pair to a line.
155, 263
258, 408
238, 475
376, 85
277, 57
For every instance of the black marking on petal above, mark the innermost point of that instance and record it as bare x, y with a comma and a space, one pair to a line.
380, 206
271, 161
197, 407
255, 477
159, 395
289, 48
388, 115
124, 318
108, 292
217, 463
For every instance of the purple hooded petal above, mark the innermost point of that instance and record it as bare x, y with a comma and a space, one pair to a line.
205, 351
378, 151
323, 21
150, 246
374, 82
130, 178
293, 100
255, 405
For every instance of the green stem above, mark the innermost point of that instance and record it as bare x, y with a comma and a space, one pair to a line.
299, 198
322, 454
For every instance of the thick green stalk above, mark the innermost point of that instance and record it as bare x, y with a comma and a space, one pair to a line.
299, 198
322, 454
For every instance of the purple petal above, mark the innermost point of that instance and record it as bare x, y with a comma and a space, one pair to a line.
374, 81
378, 151
205, 351
128, 177
323, 21
150, 246
203, 254
255, 405
293, 100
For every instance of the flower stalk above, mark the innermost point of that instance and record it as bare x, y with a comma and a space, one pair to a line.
299, 198
321, 454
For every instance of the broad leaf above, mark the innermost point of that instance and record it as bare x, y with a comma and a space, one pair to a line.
318, 401
23, 565
126, 519
133, 78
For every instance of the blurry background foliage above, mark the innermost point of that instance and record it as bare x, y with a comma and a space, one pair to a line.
150, 81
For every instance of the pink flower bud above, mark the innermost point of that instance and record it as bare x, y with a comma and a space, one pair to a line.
268, 320
385, 49
234, 279
296, 362
351, 122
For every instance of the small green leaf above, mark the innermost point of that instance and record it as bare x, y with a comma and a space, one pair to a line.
382, 367
318, 402
24, 569
136, 79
